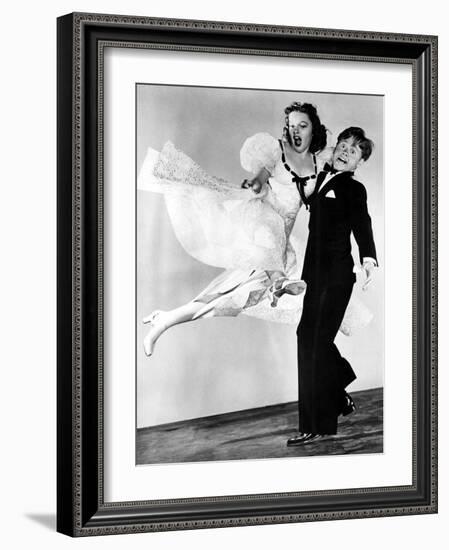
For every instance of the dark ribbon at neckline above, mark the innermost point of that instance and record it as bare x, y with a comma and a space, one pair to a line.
300, 182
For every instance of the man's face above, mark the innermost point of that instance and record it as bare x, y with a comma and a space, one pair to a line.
347, 155
300, 131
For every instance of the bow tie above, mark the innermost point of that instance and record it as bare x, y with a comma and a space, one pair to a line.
328, 168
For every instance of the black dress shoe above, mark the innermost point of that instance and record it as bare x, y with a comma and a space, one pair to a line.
296, 439
303, 439
348, 406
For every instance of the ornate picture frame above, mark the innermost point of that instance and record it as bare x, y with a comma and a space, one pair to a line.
82, 509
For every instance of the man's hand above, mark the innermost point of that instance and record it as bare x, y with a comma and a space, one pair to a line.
369, 268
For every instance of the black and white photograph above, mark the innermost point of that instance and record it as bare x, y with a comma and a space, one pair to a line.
259, 273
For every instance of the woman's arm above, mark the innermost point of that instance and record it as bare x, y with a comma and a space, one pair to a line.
259, 155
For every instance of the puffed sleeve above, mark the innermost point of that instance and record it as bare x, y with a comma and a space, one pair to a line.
260, 151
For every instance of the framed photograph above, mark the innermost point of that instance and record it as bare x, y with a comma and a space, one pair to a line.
247, 274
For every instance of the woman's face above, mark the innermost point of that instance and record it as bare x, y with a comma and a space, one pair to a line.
300, 131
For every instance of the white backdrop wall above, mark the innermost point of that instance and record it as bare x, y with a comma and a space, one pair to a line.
28, 322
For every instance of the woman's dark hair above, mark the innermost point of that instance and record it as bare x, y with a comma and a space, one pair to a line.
319, 132
359, 137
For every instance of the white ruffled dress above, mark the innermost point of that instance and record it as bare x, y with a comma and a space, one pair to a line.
249, 235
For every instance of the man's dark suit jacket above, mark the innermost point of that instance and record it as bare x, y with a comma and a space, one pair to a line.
328, 259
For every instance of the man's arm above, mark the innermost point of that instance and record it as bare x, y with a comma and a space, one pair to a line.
361, 224
363, 232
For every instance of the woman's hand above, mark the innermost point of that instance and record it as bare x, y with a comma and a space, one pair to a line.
257, 183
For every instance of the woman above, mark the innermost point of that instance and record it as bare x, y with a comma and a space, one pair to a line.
244, 230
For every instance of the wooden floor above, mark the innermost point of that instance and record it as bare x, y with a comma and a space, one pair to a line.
261, 433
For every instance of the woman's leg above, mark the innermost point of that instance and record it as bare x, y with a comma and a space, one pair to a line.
162, 320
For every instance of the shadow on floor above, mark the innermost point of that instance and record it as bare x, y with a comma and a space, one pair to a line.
46, 520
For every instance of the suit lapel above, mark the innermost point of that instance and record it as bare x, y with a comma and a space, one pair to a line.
320, 179
329, 184
322, 192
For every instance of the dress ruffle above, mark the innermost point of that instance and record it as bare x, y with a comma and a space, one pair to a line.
215, 221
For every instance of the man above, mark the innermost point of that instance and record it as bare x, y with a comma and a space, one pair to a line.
338, 207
